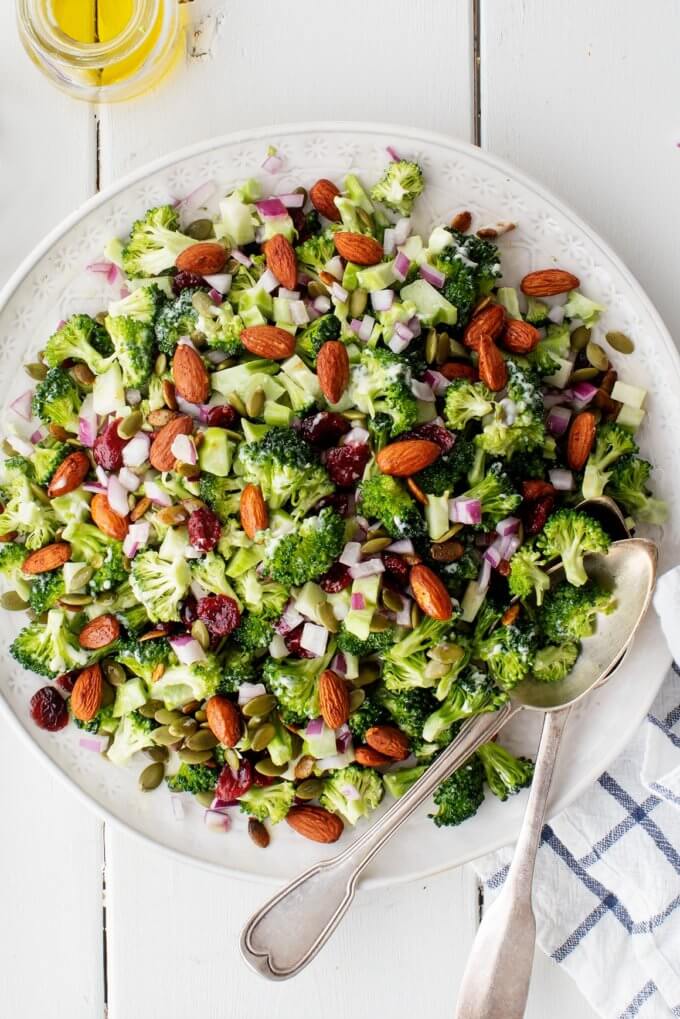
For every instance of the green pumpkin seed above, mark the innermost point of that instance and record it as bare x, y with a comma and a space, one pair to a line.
315, 288
101, 317
149, 709
367, 675
130, 425
596, 356
13, 602
160, 364
82, 577
580, 338
200, 715
267, 767
39, 494
157, 753
255, 403
457, 349
76, 601
449, 653
204, 739
309, 789
114, 672
195, 756
201, 303
584, 375
166, 717
621, 342
365, 219
7, 449
36, 370
358, 302
354, 415
200, 229
199, 631
375, 545
235, 401
356, 699
328, 618
108, 694
263, 736
443, 348
152, 776
391, 600
82, 374
415, 616
187, 727
259, 706
205, 797
379, 623
435, 670
232, 758
431, 345
163, 737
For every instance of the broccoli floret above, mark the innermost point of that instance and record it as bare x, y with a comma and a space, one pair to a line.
368, 714
316, 251
312, 338
293, 681
210, 573
223, 495
80, 339
466, 401
57, 400
505, 773
307, 553
25, 514
569, 535
554, 662
48, 648
399, 186
496, 494
458, 573
628, 485
471, 266
526, 576
374, 643
405, 663
237, 667
261, 595
46, 458
180, 684
154, 243
400, 781
253, 633
546, 356
12, 557
46, 590
159, 585
286, 469
381, 384
448, 469
284, 745
579, 306
143, 657
193, 778
130, 325
460, 795
380, 430
569, 613
176, 319
112, 571
383, 498
104, 554
408, 708
611, 444
271, 802
521, 428
509, 652
103, 721
460, 287
474, 694
352, 792
133, 734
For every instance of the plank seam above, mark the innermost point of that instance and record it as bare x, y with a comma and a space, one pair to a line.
476, 72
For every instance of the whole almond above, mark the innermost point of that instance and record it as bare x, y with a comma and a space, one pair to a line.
254, 513
322, 195
510, 615
140, 509
107, 521
315, 823
86, 696
160, 417
99, 632
458, 370
268, 341
332, 369
580, 439
520, 337
358, 248
48, 558
548, 282
161, 456
429, 592
205, 258
190, 375
367, 757
462, 221
280, 258
488, 322
333, 699
258, 833
70, 473
493, 370
401, 459
224, 720
388, 740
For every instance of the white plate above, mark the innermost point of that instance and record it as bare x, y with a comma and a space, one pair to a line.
51, 285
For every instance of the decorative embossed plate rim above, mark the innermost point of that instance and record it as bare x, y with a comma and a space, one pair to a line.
51, 284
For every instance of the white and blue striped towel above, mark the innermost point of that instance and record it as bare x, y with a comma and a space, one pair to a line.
607, 888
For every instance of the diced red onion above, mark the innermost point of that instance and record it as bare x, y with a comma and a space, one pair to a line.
184, 450
311, 310
343, 738
314, 639
484, 575
216, 357
128, 479
97, 744
355, 435
271, 208
558, 420
465, 511
249, 691
402, 264
493, 555
288, 295
136, 451
22, 405
382, 300
394, 156
277, 647
556, 314
366, 328
186, 341
138, 535
117, 496
414, 325
552, 399
433, 276
294, 200
314, 727
335, 267
199, 197
509, 525
272, 163
102, 476
268, 281
192, 409
422, 391
339, 293
357, 602
289, 620
157, 495
404, 546
339, 664
584, 392
402, 230
108, 269
351, 553
438, 382
355, 326
322, 304
397, 344
37, 436
513, 544
187, 649
94, 486
216, 820
561, 479
368, 568
403, 330
215, 296
389, 241
299, 313
403, 616
240, 257
87, 422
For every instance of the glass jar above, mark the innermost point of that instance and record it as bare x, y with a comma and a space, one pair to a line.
102, 50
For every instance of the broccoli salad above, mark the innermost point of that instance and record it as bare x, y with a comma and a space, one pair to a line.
281, 515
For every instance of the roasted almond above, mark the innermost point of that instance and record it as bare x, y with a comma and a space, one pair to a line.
333, 699
48, 558
510, 615
487, 322
280, 258
161, 456
322, 195
388, 740
160, 417
430, 594
315, 823
140, 509
401, 459
580, 439
462, 221
370, 758
99, 632
332, 369
254, 514
548, 282
458, 370
268, 341
190, 375
358, 248
417, 492
86, 696
224, 720
520, 337
70, 473
204, 259
107, 521
493, 370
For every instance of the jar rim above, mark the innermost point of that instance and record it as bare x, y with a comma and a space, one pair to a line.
49, 37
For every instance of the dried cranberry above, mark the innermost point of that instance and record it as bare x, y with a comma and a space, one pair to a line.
66, 681
342, 502
232, 784
535, 513
262, 780
324, 429
48, 709
222, 416
336, 579
396, 567
219, 613
185, 280
204, 529
345, 464
292, 642
108, 447
189, 615
435, 433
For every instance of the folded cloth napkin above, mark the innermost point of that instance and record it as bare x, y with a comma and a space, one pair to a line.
607, 888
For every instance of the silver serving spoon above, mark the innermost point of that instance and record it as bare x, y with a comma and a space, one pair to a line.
289, 930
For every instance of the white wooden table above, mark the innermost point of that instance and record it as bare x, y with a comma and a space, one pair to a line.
584, 96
